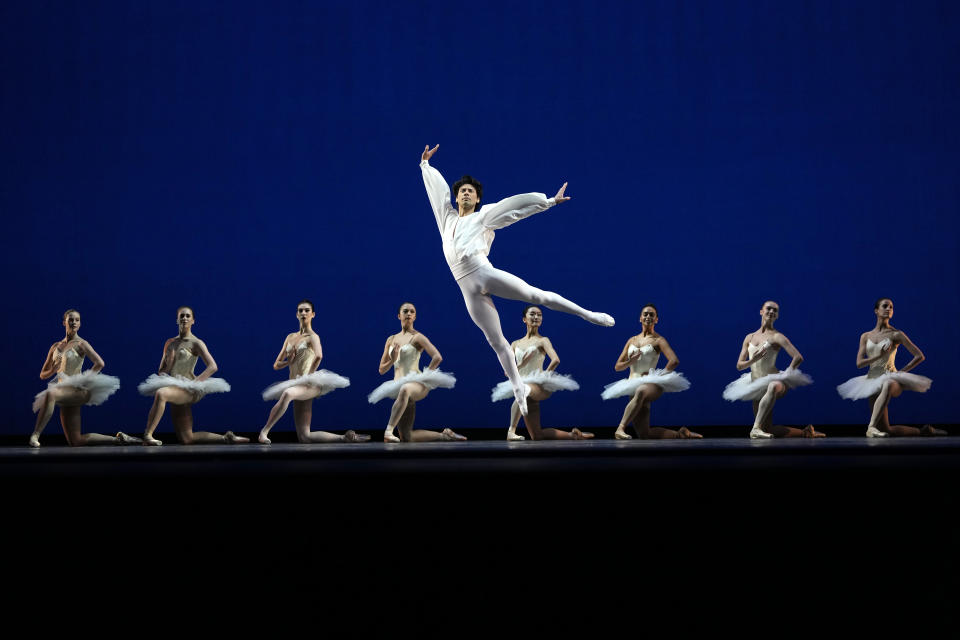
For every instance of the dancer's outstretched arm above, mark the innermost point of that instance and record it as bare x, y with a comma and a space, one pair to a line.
438, 191
515, 208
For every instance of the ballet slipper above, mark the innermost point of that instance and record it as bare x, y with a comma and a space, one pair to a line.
513, 436
352, 436
873, 432
150, 441
520, 395
757, 433
602, 319
263, 439
621, 434
686, 433
123, 438
35, 441
233, 438
448, 434
930, 430
389, 437
810, 432
580, 435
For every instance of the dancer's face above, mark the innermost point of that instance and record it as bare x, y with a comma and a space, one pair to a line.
467, 196
770, 311
648, 317
533, 317
408, 313
184, 318
71, 322
884, 310
305, 313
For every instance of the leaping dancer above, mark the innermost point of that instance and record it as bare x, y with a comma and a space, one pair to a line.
467, 236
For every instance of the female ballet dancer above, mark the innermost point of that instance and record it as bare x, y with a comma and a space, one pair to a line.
72, 389
763, 384
410, 385
175, 384
878, 350
530, 352
646, 383
302, 353
467, 237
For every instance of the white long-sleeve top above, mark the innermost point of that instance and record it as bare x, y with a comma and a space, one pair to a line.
467, 239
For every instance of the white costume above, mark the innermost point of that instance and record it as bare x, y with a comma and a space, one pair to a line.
301, 367
642, 372
880, 371
407, 369
532, 372
181, 375
99, 385
752, 385
466, 244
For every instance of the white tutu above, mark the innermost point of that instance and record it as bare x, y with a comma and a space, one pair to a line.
743, 388
324, 380
431, 379
864, 387
100, 386
200, 387
549, 380
669, 381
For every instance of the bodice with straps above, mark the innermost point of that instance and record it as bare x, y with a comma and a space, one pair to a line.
534, 364
883, 365
304, 358
184, 362
647, 360
765, 365
70, 363
408, 362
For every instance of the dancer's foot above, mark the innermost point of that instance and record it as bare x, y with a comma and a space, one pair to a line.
448, 434
150, 441
686, 433
621, 434
873, 432
580, 435
352, 436
603, 319
233, 438
930, 430
810, 432
262, 438
513, 436
389, 437
35, 441
520, 395
123, 438
757, 433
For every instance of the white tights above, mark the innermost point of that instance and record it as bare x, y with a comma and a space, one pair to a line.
477, 287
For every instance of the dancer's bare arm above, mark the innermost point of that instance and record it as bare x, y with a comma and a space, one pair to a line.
52, 363
624, 361
95, 358
201, 350
317, 349
424, 343
744, 360
282, 358
918, 356
551, 353
387, 359
167, 360
785, 343
672, 361
865, 361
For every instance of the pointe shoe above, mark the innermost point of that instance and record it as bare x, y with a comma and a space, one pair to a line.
930, 430
602, 319
263, 439
352, 436
580, 435
233, 438
35, 442
757, 434
521, 398
389, 437
150, 441
513, 436
873, 432
620, 434
448, 434
686, 433
123, 438
810, 432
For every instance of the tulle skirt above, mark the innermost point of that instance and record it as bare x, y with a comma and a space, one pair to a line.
99, 385
325, 381
669, 381
549, 380
431, 379
199, 388
743, 388
864, 387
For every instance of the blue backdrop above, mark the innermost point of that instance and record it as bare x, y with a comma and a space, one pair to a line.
239, 156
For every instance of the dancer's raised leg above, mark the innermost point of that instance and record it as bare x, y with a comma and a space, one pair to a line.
506, 285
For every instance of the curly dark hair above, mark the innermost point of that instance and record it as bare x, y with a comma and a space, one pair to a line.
468, 180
